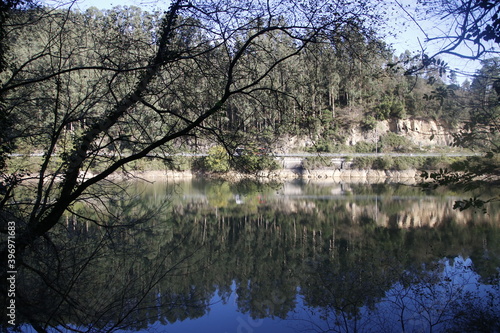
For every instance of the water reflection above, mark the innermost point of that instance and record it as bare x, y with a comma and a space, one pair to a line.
248, 257
446, 298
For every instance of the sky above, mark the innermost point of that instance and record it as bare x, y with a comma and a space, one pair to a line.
411, 37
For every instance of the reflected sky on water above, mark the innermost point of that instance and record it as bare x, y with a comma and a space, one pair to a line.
417, 306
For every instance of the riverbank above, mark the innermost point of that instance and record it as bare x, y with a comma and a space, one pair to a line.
346, 175
337, 175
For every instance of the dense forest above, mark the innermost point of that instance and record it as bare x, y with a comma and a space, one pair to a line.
348, 79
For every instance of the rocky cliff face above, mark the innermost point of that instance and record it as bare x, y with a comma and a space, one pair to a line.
424, 133
421, 132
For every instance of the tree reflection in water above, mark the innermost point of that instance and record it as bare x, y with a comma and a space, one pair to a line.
319, 257
448, 297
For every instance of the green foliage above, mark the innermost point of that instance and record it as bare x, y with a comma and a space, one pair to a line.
174, 163
390, 109
217, 160
480, 132
30, 164
383, 110
369, 123
438, 162
138, 165
406, 163
326, 83
316, 162
254, 160
401, 162
324, 146
249, 160
398, 110
467, 175
18, 164
391, 142
383, 163
100, 90
363, 162
440, 94
180, 163
365, 147
342, 148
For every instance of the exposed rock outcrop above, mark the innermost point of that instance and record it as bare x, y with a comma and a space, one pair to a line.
421, 132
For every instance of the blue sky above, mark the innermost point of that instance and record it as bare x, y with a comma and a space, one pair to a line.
413, 38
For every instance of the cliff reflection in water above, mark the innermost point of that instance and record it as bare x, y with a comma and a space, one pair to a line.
321, 256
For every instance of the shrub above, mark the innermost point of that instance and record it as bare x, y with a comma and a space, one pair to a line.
397, 163
390, 163
364, 147
253, 160
363, 162
217, 160
398, 110
436, 163
143, 164
383, 110
383, 163
369, 123
387, 109
316, 162
393, 142
24, 164
179, 163
324, 146
406, 163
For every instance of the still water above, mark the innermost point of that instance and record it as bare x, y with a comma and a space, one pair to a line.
215, 256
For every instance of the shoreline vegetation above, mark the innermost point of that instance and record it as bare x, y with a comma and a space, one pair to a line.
398, 169
348, 175
403, 169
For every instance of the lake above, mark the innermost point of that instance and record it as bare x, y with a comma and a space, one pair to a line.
215, 256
